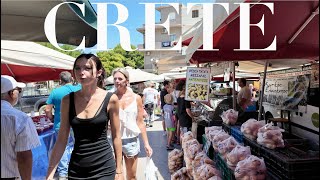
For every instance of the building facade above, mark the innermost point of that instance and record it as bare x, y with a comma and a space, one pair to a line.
164, 60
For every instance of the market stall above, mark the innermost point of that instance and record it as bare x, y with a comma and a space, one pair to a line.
275, 152
41, 154
32, 62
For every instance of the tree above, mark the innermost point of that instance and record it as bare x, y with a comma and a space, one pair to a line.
118, 57
110, 60
134, 59
65, 46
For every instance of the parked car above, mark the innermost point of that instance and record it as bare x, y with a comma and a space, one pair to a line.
33, 99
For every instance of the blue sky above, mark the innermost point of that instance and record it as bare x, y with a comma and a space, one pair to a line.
135, 20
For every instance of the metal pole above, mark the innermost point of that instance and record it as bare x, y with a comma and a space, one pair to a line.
234, 85
262, 89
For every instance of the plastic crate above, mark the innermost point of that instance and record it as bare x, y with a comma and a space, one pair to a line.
255, 148
211, 153
292, 163
226, 172
236, 133
272, 176
215, 123
226, 128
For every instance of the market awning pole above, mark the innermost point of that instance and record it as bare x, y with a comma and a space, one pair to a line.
234, 84
262, 89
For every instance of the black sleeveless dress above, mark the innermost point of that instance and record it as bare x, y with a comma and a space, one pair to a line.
92, 156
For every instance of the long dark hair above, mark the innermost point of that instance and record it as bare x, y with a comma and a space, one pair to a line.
99, 66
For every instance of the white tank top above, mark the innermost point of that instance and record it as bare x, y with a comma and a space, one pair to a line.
128, 120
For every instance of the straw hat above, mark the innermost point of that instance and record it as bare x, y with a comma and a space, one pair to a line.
168, 99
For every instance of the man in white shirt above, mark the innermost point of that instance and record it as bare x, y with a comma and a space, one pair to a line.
244, 96
150, 99
18, 133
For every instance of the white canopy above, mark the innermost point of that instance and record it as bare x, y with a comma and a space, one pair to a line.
137, 75
31, 62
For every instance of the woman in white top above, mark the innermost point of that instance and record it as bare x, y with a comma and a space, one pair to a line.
131, 118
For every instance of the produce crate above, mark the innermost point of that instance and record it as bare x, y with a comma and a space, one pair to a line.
226, 128
211, 153
215, 123
300, 162
272, 176
255, 148
226, 172
236, 133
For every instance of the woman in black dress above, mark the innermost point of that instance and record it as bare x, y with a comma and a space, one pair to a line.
88, 112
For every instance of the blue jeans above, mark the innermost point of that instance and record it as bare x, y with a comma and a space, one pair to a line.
62, 169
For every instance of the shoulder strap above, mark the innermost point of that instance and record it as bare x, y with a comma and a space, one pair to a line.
72, 108
104, 103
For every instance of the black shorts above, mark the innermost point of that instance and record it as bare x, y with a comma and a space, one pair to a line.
149, 108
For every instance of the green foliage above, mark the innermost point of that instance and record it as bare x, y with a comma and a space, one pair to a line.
110, 60
65, 46
118, 57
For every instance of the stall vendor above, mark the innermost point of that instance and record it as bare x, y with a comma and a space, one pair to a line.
244, 96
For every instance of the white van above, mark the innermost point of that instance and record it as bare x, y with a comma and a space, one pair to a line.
295, 91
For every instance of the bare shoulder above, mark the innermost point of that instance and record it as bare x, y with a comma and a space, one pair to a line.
138, 97
66, 99
114, 98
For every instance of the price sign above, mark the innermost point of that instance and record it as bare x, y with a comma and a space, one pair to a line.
197, 84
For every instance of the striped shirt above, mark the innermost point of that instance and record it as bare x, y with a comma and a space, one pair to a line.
18, 133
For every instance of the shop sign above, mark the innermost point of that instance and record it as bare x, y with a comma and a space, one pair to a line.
287, 92
197, 84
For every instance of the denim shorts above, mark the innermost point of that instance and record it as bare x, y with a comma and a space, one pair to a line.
130, 147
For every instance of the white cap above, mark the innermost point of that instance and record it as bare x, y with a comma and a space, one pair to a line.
8, 83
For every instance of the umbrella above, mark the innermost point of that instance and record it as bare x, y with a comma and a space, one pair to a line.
24, 20
161, 78
136, 75
32, 62
294, 23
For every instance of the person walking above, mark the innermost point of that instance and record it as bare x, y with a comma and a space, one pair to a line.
150, 100
244, 95
18, 133
88, 112
131, 118
54, 102
169, 119
178, 89
164, 91
184, 112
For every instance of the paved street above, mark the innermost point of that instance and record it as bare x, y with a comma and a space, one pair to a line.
160, 154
